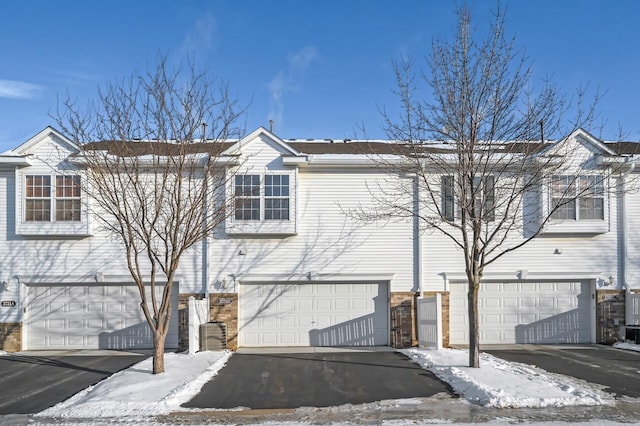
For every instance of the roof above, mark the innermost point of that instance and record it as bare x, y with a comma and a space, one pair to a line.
138, 148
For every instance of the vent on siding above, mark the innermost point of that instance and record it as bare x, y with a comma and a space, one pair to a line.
213, 336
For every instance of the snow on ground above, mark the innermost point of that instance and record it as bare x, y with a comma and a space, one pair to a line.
137, 392
501, 384
3, 353
627, 346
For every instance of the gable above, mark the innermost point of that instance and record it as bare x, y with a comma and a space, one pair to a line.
48, 146
261, 149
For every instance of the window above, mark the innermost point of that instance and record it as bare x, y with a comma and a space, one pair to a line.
448, 199
38, 199
68, 198
276, 197
483, 192
40, 195
247, 197
577, 198
253, 204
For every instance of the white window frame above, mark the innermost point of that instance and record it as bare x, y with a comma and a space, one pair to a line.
575, 222
235, 225
53, 225
450, 207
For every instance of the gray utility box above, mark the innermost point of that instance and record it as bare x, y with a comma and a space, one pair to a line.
213, 336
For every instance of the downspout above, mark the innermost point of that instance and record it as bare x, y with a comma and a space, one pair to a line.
622, 214
417, 250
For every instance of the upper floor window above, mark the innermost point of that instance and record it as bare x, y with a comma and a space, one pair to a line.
44, 197
247, 197
480, 197
276, 197
253, 203
578, 197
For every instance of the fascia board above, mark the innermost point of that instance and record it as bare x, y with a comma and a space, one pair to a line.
15, 160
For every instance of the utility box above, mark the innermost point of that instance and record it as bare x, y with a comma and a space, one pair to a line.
213, 336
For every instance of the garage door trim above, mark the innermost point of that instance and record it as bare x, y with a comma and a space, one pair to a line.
314, 313
587, 291
92, 336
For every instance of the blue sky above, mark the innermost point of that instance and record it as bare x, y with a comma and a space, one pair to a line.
320, 69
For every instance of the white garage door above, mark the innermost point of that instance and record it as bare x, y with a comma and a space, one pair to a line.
304, 314
91, 317
525, 312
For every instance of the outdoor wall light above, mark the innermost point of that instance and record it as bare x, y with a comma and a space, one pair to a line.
5, 285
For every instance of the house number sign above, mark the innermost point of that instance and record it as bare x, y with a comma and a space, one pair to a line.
8, 303
223, 301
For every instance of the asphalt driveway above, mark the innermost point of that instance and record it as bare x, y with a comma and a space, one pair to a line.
31, 381
317, 379
617, 369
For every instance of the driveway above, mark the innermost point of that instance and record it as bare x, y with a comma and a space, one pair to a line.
263, 380
33, 381
617, 369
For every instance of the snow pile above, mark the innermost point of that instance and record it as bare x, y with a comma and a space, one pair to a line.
627, 346
137, 392
3, 353
501, 384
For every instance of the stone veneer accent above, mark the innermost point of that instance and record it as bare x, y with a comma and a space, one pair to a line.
221, 311
11, 336
610, 316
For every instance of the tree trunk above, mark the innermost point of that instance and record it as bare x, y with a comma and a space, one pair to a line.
158, 351
474, 329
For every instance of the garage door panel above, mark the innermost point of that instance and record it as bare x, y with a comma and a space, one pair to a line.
531, 312
90, 317
336, 314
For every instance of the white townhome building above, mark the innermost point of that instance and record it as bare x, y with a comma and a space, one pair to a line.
292, 267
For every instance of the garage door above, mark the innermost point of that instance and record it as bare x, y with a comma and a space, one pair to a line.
525, 312
305, 314
91, 317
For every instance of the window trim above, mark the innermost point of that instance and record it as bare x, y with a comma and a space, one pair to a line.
262, 197
263, 226
51, 228
584, 226
451, 211
54, 199
573, 184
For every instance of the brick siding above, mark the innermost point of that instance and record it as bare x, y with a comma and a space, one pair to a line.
11, 336
610, 315
221, 311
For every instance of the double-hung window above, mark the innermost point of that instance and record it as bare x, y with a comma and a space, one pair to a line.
578, 197
480, 196
252, 202
247, 197
44, 196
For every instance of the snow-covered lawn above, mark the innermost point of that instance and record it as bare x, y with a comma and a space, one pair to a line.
499, 383
136, 392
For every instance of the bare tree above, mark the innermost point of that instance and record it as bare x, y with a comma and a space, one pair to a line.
155, 180
470, 136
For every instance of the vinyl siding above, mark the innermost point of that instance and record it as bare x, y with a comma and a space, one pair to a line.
328, 241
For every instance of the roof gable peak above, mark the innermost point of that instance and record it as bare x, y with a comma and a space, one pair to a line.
281, 145
26, 147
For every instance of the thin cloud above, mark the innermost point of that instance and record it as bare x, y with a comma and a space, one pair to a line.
14, 89
200, 36
289, 81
